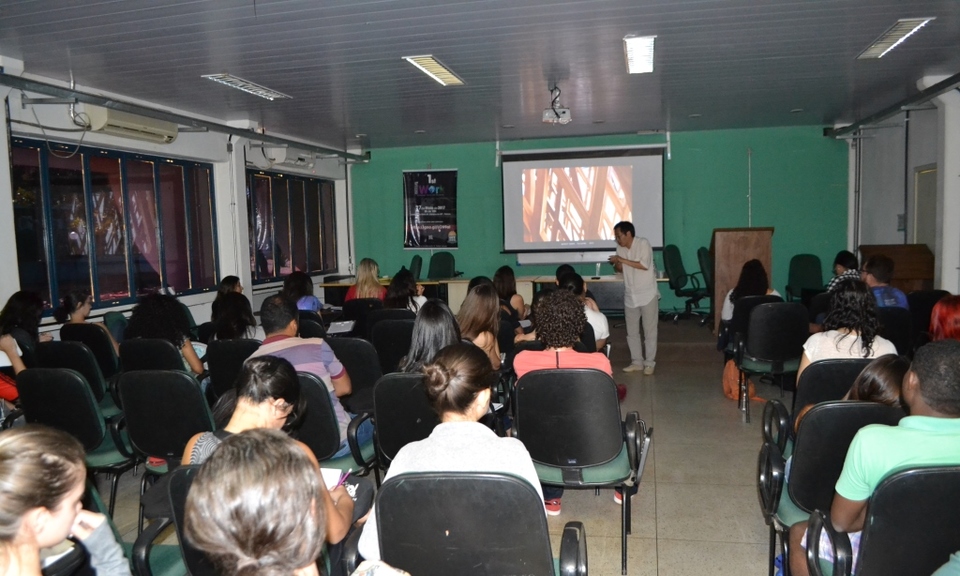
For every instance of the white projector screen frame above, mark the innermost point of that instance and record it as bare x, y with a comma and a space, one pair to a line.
551, 221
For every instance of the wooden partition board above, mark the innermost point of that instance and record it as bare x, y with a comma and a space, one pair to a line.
731, 248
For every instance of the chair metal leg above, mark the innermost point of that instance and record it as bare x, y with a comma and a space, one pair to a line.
773, 547
625, 522
744, 399
114, 481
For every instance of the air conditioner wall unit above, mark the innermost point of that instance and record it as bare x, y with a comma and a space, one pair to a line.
298, 159
126, 125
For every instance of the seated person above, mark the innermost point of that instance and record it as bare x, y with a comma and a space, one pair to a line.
75, 307
850, 328
434, 329
252, 522
457, 385
753, 281
235, 320
368, 282
512, 303
163, 317
479, 319
298, 287
267, 395
945, 319
280, 319
844, 266
42, 480
404, 292
573, 282
877, 273
227, 285
929, 436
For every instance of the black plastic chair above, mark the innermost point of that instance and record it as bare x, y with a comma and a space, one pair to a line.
62, 398
391, 338
442, 266
819, 451
149, 354
912, 526
206, 332
416, 265
772, 346
310, 329
401, 414
738, 325
357, 310
819, 304
499, 527
896, 325
116, 323
806, 272
360, 359
380, 314
319, 430
225, 359
569, 421
826, 380
921, 308
76, 356
683, 285
98, 341
163, 409
196, 561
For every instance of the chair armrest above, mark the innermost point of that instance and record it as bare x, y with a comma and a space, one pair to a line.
695, 282
11, 417
144, 543
115, 423
350, 555
573, 550
355, 445
843, 556
770, 478
776, 424
633, 436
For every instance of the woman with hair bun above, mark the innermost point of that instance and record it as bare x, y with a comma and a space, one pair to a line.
457, 385
253, 523
42, 480
75, 307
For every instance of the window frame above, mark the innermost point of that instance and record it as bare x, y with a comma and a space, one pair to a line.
44, 149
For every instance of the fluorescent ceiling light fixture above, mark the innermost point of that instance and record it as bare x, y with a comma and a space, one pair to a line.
247, 86
903, 29
639, 53
435, 69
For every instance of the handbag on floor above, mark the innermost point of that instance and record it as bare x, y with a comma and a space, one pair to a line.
731, 383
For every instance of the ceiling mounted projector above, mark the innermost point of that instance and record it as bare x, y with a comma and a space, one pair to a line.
556, 116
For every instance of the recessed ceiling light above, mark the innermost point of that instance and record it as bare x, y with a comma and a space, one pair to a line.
508, 126
796, 110
695, 116
247, 86
420, 132
639, 53
435, 69
903, 29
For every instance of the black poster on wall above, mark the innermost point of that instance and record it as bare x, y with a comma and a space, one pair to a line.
430, 209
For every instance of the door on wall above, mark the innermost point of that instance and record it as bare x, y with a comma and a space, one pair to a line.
925, 207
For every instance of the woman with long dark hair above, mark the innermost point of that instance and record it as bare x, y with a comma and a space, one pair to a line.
236, 320
752, 282
479, 320
75, 307
850, 328
404, 292
434, 329
20, 318
298, 288
228, 285
161, 316
512, 303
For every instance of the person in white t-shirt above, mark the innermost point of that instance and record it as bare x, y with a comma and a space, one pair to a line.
641, 297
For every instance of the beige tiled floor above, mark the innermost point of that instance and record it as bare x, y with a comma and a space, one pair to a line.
697, 510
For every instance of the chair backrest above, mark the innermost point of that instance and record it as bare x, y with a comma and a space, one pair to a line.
776, 333
913, 522
360, 359
499, 526
442, 265
358, 310
391, 338
163, 409
588, 339
416, 265
706, 268
896, 325
820, 448
98, 341
380, 314
819, 304
62, 399
921, 306
673, 265
826, 380
742, 309
196, 561
805, 272
505, 336
116, 323
190, 322
311, 329
568, 418
206, 331
401, 413
73, 356
225, 359
149, 354
318, 427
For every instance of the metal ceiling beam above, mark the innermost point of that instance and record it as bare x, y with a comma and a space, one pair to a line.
906, 104
19, 83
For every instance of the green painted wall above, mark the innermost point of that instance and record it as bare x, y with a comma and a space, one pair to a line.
799, 182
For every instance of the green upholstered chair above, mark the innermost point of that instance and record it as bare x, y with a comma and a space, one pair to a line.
806, 273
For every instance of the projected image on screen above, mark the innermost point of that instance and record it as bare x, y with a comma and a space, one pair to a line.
575, 203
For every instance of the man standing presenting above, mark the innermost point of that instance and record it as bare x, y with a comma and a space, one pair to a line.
641, 297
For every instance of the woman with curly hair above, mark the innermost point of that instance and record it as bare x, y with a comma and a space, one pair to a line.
850, 328
404, 292
479, 320
368, 282
298, 288
161, 316
945, 319
236, 319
